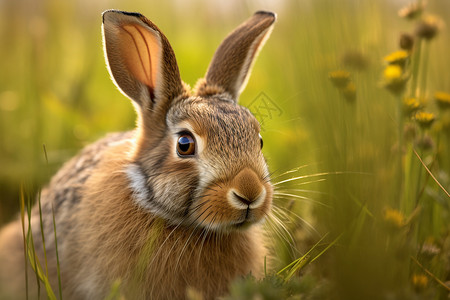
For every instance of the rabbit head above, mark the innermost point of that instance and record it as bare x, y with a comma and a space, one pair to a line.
197, 157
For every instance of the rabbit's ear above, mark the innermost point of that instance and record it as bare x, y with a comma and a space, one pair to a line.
140, 59
230, 67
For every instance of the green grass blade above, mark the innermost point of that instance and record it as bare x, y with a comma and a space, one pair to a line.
30, 246
297, 264
22, 219
115, 291
40, 273
265, 266
57, 255
41, 223
431, 174
30, 250
326, 249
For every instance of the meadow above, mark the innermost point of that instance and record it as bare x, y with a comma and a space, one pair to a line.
354, 101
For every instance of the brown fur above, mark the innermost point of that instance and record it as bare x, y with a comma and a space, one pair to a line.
113, 239
239, 53
129, 209
203, 257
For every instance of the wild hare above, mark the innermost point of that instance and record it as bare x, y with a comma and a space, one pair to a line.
176, 203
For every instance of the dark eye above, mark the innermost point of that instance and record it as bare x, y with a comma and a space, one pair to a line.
260, 138
186, 145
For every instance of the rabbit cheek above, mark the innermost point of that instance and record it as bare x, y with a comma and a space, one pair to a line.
174, 187
166, 193
211, 208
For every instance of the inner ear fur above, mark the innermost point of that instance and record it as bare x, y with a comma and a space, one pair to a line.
230, 67
140, 59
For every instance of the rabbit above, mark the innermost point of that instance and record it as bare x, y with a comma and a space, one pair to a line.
178, 203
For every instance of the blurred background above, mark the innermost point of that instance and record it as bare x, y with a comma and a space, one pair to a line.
333, 147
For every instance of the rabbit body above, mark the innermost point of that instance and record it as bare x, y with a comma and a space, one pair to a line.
173, 205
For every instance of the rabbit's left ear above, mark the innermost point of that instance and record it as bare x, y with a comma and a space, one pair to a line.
230, 67
141, 61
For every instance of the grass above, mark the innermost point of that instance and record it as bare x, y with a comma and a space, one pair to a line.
374, 180
30, 257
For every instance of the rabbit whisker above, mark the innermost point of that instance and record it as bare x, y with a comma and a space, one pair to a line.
174, 229
283, 196
192, 232
281, 230
207, 232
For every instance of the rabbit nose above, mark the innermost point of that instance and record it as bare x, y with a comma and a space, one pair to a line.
247, 190
242, 199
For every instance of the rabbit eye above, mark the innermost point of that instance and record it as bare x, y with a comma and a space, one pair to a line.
186, 145
260, 138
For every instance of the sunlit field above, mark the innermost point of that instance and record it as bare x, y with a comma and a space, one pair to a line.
354, 102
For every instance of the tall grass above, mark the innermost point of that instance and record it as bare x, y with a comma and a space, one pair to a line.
40, 268
374, 176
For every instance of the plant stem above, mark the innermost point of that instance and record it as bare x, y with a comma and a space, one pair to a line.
423, 83
415, 68
419, 177
400, 145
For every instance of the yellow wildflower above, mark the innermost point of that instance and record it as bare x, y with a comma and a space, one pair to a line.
442, 100
410, 105
339, 78
420, 282
397, 58
425, 119
393, 73
394, 218
394, 78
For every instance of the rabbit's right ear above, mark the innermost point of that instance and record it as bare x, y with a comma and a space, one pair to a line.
141, 60
231, 65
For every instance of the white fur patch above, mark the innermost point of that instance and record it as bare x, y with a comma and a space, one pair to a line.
138, 184
260, 200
